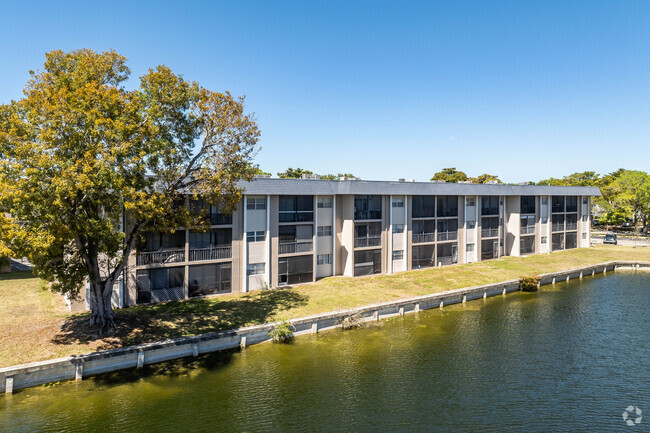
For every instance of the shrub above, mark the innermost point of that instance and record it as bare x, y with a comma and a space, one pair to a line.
282, 333
529, 283
351, 322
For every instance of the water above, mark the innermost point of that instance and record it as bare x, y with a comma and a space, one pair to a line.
569, 358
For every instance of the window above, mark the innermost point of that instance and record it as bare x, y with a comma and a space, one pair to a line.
255, 236
295, 270
324, 203
324, 259
255, 269
447, 205
584, 218
544, 239
557, 202
423, 206
209, 279
398, 202
527, 204
572, 204
296, 208
490, 205
527, 245
470, 201
324, 231
398, 228
398, 255
367, 262
544, 201
367, 207
585, 200
544, 220
471, 224
469, 248
584, 236
256, 203
422, 257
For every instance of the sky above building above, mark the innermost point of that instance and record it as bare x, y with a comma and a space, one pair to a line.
525, 90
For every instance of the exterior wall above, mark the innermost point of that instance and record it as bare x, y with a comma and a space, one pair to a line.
341, 244
513, 225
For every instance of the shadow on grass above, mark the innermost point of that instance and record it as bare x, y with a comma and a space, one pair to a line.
151, 323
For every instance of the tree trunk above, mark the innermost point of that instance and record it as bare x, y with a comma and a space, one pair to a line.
102, 314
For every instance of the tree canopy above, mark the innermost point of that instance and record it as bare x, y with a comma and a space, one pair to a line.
450, 175
79, 149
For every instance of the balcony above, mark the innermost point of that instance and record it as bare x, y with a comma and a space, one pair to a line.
527, 230
447, 236
296, 216
419, 238
489, 233
367, 215
558, 227
295, 247
370, 241
218, 219
214, 253
160, 257
571, 226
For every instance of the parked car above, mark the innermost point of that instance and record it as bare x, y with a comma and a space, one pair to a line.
610, 238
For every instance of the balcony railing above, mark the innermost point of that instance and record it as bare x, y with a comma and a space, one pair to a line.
370, 241
157, 257
447, 236
367, 215
558, 227
423, 237
295, 247
489, 233
296, 216
527, 230
214, 253
217, 219
572, 226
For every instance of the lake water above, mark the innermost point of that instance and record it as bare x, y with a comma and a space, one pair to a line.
571, 357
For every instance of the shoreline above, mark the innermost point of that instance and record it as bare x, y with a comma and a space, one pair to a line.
77, 367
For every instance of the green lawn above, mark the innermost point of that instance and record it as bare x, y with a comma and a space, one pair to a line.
35, 325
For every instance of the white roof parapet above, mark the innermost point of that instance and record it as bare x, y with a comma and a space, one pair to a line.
264, 186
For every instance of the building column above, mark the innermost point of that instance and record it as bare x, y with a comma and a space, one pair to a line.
267, 246
244, 261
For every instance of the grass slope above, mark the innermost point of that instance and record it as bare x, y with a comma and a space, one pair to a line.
35, 325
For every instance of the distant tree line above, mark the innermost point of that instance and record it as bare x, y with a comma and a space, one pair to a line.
626, 194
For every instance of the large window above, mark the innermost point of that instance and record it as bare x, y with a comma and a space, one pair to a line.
558, 223
162, 241
447, 230
572, 222
490, 227
423, 257
557, 203
367, 207
489, 249
557, 242
367, 262
295, 270
423, 206
367, 235
572, 204
295, 239
447, 205
571, 240
296, 208
211, 238
210, 279
490, 205
527, 245
447, 254
527, 204
157, 285
212, 212
527, 224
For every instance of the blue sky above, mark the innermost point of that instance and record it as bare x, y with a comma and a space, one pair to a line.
525, 90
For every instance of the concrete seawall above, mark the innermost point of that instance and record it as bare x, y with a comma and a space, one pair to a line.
77, 367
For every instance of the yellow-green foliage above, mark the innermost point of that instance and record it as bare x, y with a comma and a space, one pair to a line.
529, 283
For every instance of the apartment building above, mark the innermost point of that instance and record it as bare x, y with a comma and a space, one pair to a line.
294, 231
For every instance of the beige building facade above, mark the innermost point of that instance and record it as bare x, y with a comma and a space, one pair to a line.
294, 231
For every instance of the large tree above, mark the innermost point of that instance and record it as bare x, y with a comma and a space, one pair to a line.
79, 150
631, 190
294, 173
